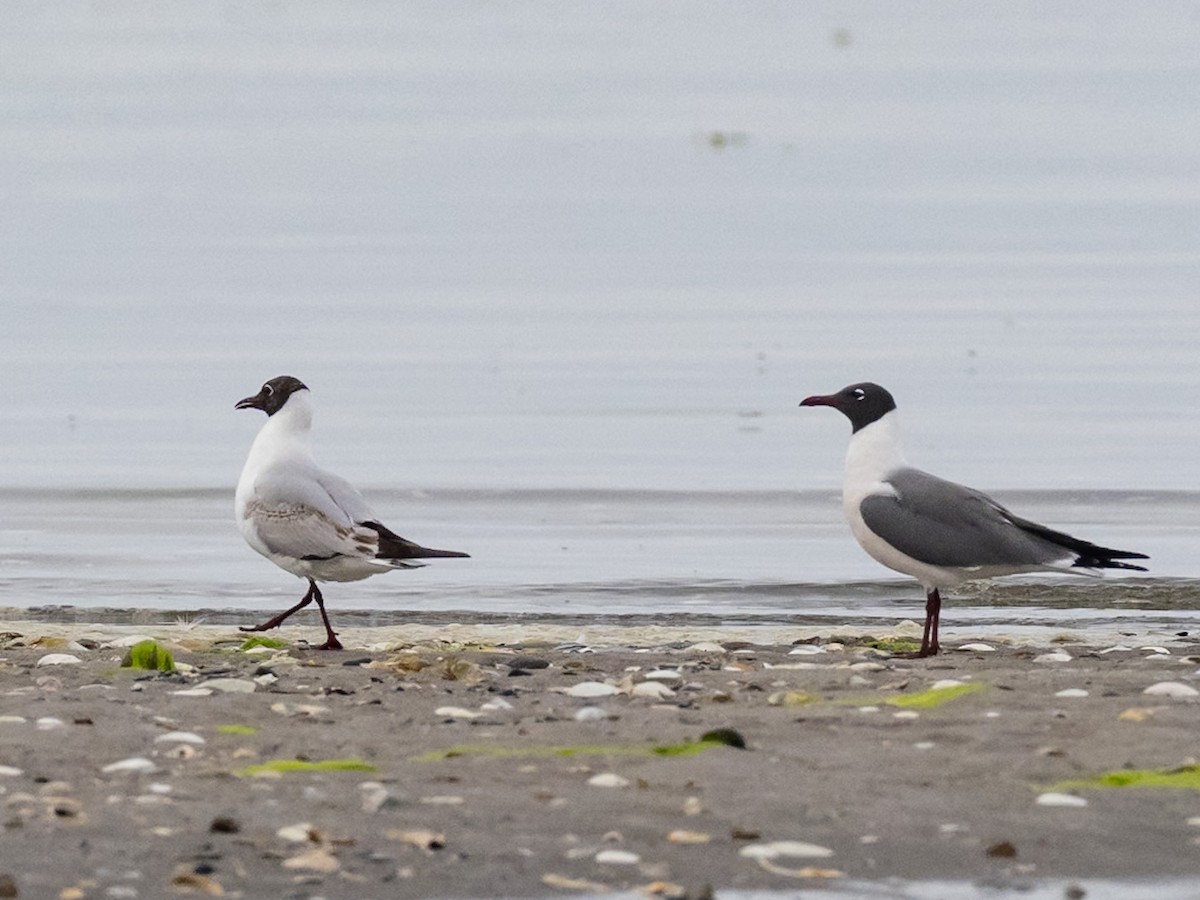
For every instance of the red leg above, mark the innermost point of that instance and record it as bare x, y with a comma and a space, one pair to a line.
276, 621
331, 641
933, 614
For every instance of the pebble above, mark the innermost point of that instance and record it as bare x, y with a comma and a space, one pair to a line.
608, 780
1055, 656
976, 648
496, 704
229, 685
592, 689
806, 650
12, 720
443, 800
1072, 692
923, 745
1119, 648
682, 836
10, 771
617, 858
590, 714
527, 662
134, 764
793, 849
1175, 689
693, 806
192, 692
457, 712
1056, 799
375, 796
655, 690
181, 737
300, 833
59, 659
1194, 821
946, 683
867, 667
49, 723
314, 860
906, 714
705, 647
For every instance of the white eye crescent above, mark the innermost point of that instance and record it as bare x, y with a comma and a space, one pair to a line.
268, 390
859, 394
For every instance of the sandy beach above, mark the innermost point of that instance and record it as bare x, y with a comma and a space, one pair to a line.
489, 760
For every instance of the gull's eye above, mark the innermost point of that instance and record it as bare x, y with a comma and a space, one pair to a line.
268, 390
859, 394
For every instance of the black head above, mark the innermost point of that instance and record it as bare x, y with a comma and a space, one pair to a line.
273, 395
861, 403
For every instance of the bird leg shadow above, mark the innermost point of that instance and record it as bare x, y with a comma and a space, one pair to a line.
314, 593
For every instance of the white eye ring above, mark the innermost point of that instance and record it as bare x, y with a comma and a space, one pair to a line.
859, 394
268, 390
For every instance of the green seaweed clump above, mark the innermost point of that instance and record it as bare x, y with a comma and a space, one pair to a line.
283, 766
148, 655
893, 645
257, 641
1186, 778
721, 737
935, 696
237, 729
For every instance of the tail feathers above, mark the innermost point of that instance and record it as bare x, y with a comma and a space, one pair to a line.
392, 546
1090, 556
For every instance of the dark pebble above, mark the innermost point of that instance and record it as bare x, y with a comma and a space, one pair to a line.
527, 662
1002, 850
359, 661
225, 825
8, 885
518, 673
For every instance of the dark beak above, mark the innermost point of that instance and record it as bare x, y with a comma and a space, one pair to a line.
255, 402
820, 400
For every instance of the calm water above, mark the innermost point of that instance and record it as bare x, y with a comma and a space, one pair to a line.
558, 278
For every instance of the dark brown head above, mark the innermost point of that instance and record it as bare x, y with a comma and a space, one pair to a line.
861, 403
273, 395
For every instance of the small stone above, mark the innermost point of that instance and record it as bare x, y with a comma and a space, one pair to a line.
906, 714
591, 714
1054, 798
682, 836
132, 765
591, 689
654, 690
528, 663
457, 712
944, 683
976, 648
704, 647
496, 704
49, 723
608, 780
692, 806
179, 737
790, 698
229, 685
10, 771
418, 837
300, 833
663, 675
1072, 692
1002, 850
191, 692
868, 666
1174, 689
1056, 656
793, 849
316, 859
443, 800
806, 650
225, 825
617, 858
8, 885
58, 659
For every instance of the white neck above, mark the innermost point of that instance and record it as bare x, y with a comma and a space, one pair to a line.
288, 433
873, 454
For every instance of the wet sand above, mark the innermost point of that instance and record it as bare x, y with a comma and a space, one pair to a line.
463, 767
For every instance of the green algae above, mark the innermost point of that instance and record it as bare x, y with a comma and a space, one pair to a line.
237, 729
149, 655
935, 696
1181, 778
284, 766
256, 641
719, 738
893, 645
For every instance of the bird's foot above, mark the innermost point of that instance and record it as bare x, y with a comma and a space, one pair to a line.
332, 644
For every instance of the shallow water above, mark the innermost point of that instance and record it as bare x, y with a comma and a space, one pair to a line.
558, 283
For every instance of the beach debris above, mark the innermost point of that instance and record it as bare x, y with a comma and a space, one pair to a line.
496, 704
59, 659
730, 737
299, 833
806, 650
457, 712
1072, 692
13, 720
454, 669
1002, 850
666, 889
1138, 713
550, 879
421, 838
1056, 798
375, 797
1176, 690
309, 710
705, 647
237, 729
936, 696
592, 689
186, 881
591, 714
133, 765
443, 800
608, 780
683, 836
790, 698
1118, 648
924, 745
256, 642
149, 655
1155, 651
692, 806
867, 666
617, 858
663, 675
790, 849
906, 714
49, 723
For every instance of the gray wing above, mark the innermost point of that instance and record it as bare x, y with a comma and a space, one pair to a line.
941, 523
308, 513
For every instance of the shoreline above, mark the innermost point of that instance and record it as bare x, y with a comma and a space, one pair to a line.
482, 760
